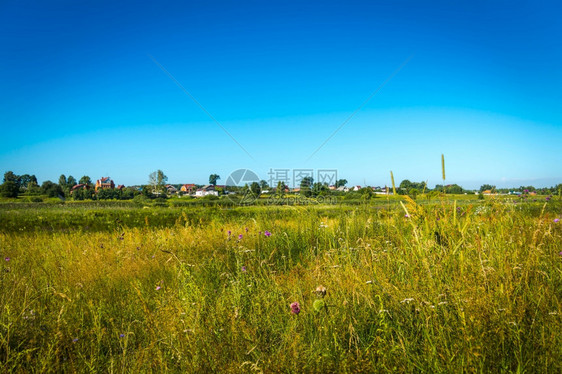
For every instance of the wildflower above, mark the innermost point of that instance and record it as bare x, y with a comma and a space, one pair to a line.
244, 269
246, 229
407, 215
229, 232
267, 233
7, 258
240, 237
556, 220
121, 335
74, 340
547, 198
158, 287
295, 308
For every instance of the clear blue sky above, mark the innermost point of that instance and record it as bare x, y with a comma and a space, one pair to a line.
80, 94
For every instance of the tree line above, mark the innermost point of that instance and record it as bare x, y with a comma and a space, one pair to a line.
15, 185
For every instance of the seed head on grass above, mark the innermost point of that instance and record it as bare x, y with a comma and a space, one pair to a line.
443, 165
320, 291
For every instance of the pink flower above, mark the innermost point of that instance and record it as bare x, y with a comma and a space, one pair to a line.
267, 233
158, 287
295, 308
240, 237
556, 220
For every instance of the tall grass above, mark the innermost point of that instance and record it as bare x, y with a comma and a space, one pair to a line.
443, 289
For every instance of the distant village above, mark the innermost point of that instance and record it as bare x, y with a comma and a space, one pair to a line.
105, 188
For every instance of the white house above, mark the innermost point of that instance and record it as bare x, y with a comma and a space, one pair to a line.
207, 190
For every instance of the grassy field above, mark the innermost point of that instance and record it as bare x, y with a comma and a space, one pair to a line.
439, 286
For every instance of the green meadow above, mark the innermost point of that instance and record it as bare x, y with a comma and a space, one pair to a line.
387, 285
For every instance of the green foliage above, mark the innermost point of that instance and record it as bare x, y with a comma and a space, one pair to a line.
86, 180
157, 180
213, 179
320, 189
9, 189
255, 189
486, 187
51, 189
281, 187
341, 182
306, 186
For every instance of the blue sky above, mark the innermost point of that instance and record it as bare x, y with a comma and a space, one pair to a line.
80, 93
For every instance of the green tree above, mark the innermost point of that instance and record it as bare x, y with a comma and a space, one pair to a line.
9, 176
405, 186
320, 189
85, 180
213, 179
341, 183
51, 189
9, 189
306, 186
485, 187
255, 188
157, 180
62, 181
71, 181
263, 185
26, 179
281, 187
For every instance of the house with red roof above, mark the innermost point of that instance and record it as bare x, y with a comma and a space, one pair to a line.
104, 183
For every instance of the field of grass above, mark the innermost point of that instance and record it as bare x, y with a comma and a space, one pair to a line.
436, 287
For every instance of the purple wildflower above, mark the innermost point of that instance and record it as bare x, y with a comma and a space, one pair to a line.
158, 287
547, 198
407, 215
556, 220
240, 237
121, 335
74, 340
247, 229
295, 308
267, 233
229, 232
7, 258
244, 269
